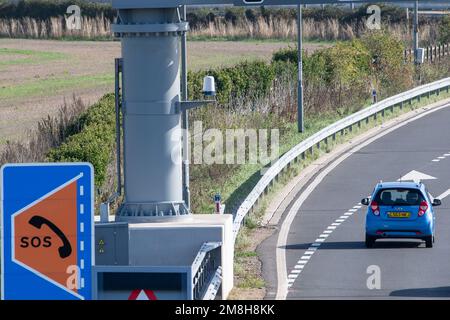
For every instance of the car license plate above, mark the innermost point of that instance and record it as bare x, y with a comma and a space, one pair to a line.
399, 214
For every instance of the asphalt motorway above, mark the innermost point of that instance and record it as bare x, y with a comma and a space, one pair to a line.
325, 253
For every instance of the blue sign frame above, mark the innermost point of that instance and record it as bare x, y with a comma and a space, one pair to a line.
33, 187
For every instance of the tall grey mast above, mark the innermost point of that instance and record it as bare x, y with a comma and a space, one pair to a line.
152, 123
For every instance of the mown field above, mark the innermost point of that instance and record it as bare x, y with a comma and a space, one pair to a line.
36, 76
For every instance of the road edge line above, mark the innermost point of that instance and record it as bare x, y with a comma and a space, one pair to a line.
392, 125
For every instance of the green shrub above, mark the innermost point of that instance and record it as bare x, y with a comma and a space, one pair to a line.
444, 30
44, 9
245, 78
94, 143
388, 68
286, 55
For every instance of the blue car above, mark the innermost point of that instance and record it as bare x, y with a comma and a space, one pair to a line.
400, 210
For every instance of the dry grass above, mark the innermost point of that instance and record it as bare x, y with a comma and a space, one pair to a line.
270, 28
55, 28
50, 132
281, 28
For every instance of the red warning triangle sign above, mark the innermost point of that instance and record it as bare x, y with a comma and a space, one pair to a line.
142, 294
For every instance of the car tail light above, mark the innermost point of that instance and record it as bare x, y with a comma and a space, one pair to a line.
423, 208
375, 208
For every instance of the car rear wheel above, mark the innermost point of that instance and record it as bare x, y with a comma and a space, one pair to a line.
370, 241
429, 242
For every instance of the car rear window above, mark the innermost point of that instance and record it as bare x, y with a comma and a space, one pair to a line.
399, 197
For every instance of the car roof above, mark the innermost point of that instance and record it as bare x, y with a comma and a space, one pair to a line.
399, 184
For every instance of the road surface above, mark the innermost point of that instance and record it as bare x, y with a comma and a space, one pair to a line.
325, 253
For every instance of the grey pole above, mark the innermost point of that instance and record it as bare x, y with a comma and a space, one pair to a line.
185, 116
416, 29
300, 124
118, 67
151, 52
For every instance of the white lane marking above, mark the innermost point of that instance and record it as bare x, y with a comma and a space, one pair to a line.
340, 220
441, 157
435, 160
81, 208
352, 210
81, 227
445, 194
81, 190
81, 245
81, 264
282, 289
358, 206
343, 217
416, 176
82, 283
446, 154
298, 268
335, 224
348, 213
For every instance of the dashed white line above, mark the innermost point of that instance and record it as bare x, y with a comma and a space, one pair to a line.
444, 195
81, 264
81, 245
82, 283
283, 285
435, 160
441, 157
81, 227
81, 190
81, 208
298, 268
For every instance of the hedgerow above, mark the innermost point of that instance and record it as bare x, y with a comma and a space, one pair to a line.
94, 143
